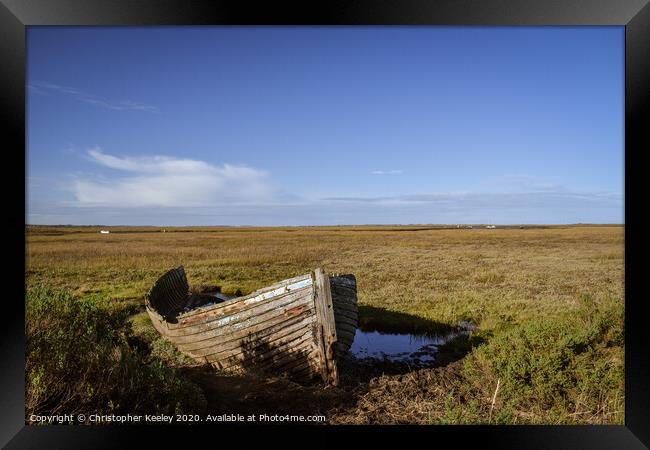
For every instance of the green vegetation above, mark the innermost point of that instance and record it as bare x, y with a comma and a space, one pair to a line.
548, 303
80, 360
558, 370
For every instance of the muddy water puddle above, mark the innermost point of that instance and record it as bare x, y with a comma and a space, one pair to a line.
414, 349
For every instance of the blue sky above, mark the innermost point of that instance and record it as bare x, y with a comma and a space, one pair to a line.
324, 125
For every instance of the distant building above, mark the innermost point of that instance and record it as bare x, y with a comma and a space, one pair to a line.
104, 231
491, 227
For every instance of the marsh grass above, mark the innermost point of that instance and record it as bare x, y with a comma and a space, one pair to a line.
548, 303
80, 358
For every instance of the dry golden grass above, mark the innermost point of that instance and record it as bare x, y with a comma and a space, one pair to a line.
496, 278
488, 276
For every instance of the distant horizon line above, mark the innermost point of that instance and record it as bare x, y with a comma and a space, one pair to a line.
338, 225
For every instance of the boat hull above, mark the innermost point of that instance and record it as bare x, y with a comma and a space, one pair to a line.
297, 327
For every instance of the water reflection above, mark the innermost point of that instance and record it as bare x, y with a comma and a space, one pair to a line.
415, 349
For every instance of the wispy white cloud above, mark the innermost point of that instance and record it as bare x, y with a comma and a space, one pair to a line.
527, 198
523, 183
387, 172
116, 105
141, 190
434, 209
172, 182
468, 203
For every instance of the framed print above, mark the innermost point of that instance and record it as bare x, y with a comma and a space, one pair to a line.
357, 215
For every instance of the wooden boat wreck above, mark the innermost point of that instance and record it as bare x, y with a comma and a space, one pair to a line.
300, 326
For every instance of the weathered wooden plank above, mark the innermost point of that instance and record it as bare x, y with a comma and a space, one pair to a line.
326, 332
346, 308
288, 307
307, 350
259, 351
282, 359
289, 348
306, 355
346, 313
239, 320
346, 325
349, 330
220, 310
157, 321
318, 333
343, 290
269, 359
270, 321
230, 341
346, 337
308, 361
169, 292
304, 372
216, 352
213, 346
348, 316
262, 329
299, 371
283, 283
344, 328
265, 293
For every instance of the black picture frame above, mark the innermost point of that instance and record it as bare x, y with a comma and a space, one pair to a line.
634, 15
